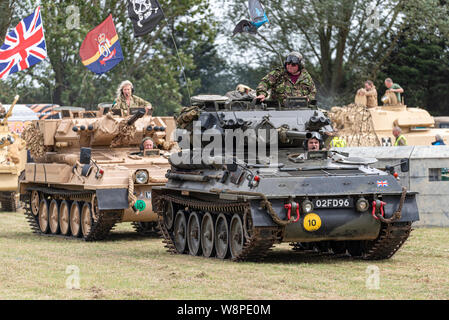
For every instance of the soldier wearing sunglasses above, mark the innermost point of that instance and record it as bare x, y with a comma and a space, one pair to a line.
291, 81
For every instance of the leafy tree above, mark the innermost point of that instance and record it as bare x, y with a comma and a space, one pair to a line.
421, 67
344, 42
150, 63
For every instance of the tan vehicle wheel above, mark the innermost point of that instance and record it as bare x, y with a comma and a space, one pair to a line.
64, 218
86, 219
75, 219
43, 216
35, 202
54, 216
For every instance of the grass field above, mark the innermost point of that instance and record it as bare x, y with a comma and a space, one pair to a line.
128, 266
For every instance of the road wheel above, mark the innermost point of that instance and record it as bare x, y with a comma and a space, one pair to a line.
180, 232
169, 215
236, 236
35, 202
64, 218
207, 235
43, 216
222, 236
54, 216
75, 219
86, 219
194, 234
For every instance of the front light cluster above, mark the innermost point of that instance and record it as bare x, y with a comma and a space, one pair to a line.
362, 205
307, 206
141, 177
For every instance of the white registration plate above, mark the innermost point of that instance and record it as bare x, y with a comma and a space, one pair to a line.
333, 203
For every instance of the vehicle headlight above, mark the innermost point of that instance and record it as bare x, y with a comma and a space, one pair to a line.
362, 205
141, 177
307, 206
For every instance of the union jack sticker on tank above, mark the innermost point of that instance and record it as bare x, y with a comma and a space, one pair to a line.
382, 183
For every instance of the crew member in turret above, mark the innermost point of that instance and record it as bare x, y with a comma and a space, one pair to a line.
126, 100
370, 92
314, 143
395, 88
292, 80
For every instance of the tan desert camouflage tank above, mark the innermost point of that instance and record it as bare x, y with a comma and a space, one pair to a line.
89, 172
12, 161
362, 126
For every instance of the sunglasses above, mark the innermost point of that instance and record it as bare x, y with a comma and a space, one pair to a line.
293, 60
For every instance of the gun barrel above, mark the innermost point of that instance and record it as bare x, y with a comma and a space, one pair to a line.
9, 113
298, 134
139, 114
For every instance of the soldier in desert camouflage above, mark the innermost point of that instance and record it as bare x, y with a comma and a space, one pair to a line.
291, 81
126, 100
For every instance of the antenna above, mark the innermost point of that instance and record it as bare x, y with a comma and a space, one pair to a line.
179, 58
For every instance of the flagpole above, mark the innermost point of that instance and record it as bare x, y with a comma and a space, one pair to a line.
179, 57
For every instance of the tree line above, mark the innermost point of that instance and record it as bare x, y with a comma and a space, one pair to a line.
344, 43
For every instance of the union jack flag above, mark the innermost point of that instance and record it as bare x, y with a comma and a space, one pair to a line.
382, 183
24, 46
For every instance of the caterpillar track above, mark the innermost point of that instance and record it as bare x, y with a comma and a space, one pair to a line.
96, 226
146, 229
391, 238
258, 241
9, 202
255, 242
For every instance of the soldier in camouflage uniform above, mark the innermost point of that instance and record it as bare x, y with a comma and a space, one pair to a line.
291, 81
126, 101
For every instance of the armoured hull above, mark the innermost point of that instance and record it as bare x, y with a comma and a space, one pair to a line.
364, 127
312, 199
88, 174
12, 163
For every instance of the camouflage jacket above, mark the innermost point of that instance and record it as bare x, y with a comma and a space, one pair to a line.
135, 102
281, 86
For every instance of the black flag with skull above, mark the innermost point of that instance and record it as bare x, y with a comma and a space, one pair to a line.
145, 15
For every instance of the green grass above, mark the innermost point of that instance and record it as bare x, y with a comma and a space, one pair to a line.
127, 266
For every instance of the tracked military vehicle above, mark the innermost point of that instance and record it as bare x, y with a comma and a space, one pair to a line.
12, 161
240, 207
89, 171
370, 127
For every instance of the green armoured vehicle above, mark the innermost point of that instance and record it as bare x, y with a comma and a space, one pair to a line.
237, 204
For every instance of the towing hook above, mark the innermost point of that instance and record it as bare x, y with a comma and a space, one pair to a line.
378, 206
292, 206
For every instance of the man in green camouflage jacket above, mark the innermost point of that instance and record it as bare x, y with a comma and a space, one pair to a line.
291, 81
126, 101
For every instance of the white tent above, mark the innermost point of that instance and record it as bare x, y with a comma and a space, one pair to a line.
21, 113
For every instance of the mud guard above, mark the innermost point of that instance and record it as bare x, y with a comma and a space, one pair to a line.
409, 209
112, 199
